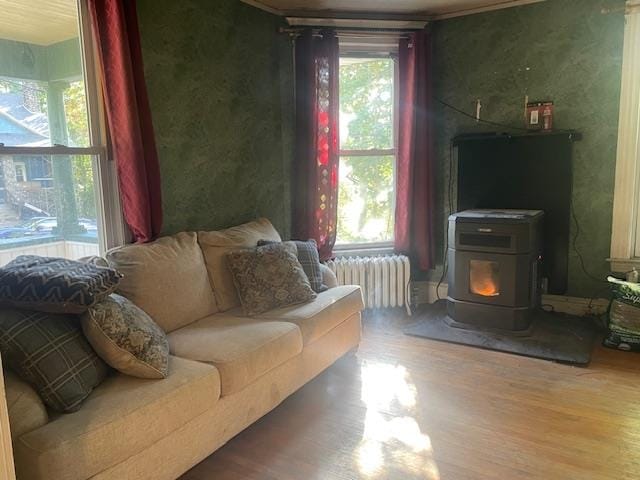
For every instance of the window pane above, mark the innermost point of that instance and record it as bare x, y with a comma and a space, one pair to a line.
42, 97
366, 103
365, 199
47, 206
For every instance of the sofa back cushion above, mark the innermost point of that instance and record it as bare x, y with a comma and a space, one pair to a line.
216, 245
167, 279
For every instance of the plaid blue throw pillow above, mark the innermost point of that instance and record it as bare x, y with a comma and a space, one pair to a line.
50, 352
55, 285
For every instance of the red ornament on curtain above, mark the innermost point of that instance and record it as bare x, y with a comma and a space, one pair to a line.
315, 170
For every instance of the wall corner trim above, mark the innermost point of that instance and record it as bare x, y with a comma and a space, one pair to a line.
262, 6
624, 230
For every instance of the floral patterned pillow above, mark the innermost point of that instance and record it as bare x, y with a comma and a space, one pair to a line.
127, 338
269, 277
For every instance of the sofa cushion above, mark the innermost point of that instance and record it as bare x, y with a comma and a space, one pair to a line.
123, 417
269, 277
26, 409
329, 309
127, 338
242, 349
167, 279
216, 245
50, 352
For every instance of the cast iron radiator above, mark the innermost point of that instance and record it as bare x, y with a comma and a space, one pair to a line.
384, 279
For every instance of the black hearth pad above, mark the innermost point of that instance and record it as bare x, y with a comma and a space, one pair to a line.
552, 336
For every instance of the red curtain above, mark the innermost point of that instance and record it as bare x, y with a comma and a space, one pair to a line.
415, 169
115, 26
315, 168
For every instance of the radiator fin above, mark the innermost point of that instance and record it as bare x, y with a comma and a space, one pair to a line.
384, 279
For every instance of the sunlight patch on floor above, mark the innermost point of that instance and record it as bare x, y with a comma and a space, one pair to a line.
390, 436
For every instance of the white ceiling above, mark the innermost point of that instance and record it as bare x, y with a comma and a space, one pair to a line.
42, 22
385, 7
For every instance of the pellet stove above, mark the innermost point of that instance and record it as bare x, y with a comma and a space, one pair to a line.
494, 276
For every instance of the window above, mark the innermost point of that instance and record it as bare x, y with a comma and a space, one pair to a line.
366, 196
56, 185
625, 239
21, 172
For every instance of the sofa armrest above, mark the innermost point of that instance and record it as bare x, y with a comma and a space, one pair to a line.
25, 408
328, 277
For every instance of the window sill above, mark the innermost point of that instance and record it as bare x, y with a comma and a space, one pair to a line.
363, 250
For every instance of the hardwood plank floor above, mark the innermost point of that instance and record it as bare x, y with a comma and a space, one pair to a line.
411, 408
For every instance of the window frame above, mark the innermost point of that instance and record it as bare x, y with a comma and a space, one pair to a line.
625, 231
22, 168
374, 47
109, 212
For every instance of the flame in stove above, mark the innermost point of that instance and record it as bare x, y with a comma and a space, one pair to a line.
486, 289
484, 278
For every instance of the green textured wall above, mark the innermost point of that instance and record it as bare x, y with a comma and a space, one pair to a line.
562, 50
220, 85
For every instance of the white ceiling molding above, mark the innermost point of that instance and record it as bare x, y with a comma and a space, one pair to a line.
357, 23
487, 8
401, 10
631, 7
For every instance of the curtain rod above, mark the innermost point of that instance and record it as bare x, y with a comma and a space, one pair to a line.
349, 33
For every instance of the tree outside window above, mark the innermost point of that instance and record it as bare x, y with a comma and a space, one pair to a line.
367, 160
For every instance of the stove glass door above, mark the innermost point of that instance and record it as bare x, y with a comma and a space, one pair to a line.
484, 278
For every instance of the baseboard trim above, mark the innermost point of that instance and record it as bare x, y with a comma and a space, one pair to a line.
425, 292
576, 305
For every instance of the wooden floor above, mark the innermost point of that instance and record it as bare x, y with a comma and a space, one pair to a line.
411, 408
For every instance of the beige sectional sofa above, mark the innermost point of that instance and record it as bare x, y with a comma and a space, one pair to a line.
226, 370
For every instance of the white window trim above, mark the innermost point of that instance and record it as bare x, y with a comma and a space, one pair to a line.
626, 203
373, 46
111, 222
